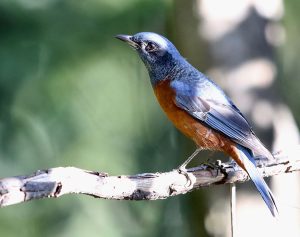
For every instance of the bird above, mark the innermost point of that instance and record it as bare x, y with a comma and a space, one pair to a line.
199, 108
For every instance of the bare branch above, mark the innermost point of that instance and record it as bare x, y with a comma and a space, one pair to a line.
56, 182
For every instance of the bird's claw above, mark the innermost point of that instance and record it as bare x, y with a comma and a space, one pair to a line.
217, 165
189, 177
212, 165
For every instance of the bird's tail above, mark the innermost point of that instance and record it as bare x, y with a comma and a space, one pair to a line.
250, 167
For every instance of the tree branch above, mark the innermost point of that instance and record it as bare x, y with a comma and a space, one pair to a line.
55, 182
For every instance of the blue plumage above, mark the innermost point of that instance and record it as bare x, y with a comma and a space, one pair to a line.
259, 182
204, 102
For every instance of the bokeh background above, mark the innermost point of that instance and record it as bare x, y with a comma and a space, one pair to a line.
72, 95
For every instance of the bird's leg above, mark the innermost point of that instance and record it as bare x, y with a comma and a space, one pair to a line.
182, 167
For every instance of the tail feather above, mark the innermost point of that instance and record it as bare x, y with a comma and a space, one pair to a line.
259, 149
250, 167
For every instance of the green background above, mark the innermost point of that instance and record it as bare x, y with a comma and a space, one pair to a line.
72, 95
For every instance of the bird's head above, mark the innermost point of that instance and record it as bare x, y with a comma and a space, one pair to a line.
158, 54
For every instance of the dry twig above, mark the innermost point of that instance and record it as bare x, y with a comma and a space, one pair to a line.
56, 182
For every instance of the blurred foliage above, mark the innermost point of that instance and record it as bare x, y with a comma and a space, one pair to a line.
289, 58
72, 95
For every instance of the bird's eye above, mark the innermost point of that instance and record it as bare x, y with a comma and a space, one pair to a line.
150, 47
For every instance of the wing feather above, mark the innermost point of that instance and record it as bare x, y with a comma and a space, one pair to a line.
219, 113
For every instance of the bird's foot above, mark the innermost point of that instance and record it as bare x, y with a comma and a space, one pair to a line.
182, 168
211, 165
217, 165
214, 165
189, 177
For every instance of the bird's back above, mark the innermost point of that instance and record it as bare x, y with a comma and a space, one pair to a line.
193, 88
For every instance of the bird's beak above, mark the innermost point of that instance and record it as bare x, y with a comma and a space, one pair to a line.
128, 40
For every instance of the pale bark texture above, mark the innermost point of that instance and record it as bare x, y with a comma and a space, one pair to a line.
55, 182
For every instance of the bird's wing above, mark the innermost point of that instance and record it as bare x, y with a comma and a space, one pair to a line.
219, 114
220, 117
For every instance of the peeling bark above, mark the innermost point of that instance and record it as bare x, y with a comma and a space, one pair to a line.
55, 182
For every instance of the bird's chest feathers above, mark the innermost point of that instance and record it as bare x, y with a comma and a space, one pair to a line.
166, 98
202, 135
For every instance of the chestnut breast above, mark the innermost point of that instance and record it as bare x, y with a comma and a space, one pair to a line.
203, 136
